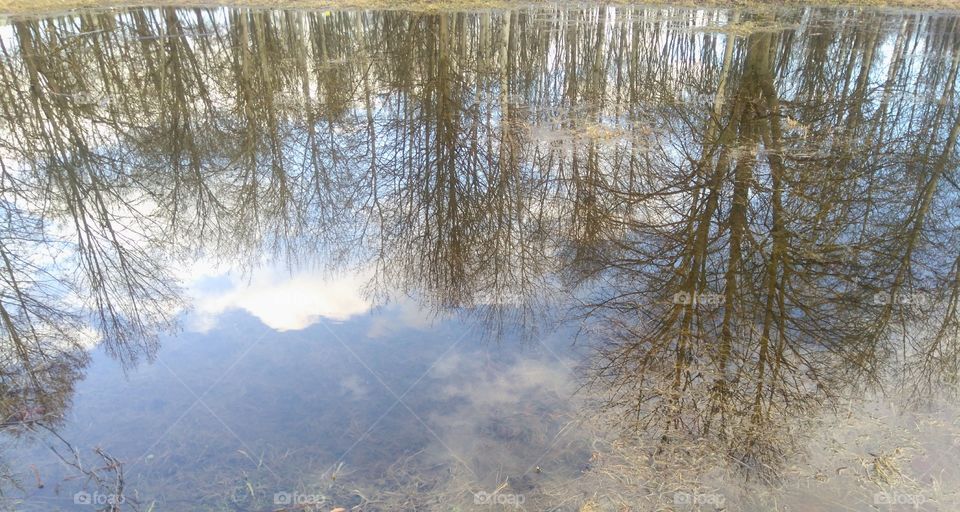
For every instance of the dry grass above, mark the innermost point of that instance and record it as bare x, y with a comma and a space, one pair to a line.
48, 7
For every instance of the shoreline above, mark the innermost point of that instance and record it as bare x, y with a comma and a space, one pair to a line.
22, 8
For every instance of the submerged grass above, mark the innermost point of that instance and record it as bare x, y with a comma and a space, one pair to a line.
49, 7
867, 458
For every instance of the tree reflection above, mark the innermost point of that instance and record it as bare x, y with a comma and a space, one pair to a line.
761, 215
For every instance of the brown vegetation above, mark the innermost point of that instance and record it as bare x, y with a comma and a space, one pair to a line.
44, 7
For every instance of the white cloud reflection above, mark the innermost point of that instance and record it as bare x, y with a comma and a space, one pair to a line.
281, 299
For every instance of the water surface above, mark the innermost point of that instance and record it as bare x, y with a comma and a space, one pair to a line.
551, 258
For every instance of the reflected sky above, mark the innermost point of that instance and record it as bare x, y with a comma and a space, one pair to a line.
338, 405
